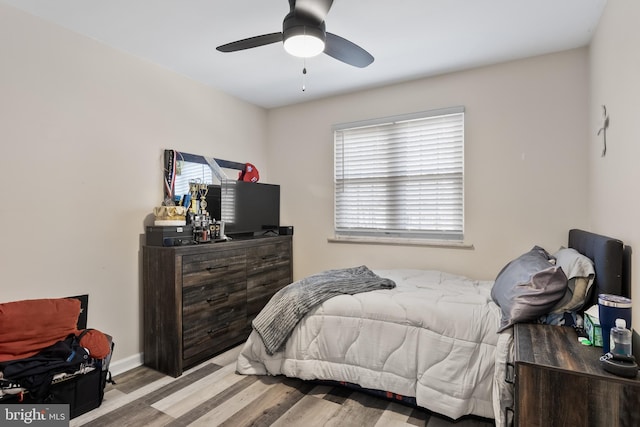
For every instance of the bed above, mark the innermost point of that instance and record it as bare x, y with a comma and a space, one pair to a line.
439, 339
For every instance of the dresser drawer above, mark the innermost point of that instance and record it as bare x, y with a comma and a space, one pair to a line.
211, 316
213, 267
205, 340
199, 300
205, 322
261, 287
268, 256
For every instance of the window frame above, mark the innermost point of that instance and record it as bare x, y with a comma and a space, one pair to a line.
450, 237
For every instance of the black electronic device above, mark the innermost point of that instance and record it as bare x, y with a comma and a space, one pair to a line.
247, 208
214, 201
286, 230
623, 366
169, 235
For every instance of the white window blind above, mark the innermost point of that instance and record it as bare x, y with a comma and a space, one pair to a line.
401, 176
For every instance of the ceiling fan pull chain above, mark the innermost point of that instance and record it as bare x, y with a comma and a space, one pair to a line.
304, 75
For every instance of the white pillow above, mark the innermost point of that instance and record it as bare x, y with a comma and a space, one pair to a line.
581, 273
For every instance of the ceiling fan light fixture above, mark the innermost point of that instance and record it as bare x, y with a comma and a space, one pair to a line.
304, 45
304, 35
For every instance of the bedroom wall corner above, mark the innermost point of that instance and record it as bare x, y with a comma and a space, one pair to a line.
614, 64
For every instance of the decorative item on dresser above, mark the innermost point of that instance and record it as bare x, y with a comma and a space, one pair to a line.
200, 300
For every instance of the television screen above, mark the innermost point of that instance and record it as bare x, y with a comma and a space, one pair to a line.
247, 208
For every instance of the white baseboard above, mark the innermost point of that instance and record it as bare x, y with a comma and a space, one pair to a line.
123, 365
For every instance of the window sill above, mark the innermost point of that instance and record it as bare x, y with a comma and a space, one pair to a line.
396, 241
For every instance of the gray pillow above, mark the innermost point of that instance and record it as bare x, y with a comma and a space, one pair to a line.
528, 287
581, 274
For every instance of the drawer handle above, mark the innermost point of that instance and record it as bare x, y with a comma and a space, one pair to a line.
221, 267
268, 284
223, 297
509, 374
214, 332
270, 256
507, 419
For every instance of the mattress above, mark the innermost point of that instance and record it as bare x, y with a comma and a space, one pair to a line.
432, 337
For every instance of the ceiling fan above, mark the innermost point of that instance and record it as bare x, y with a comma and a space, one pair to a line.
304, 35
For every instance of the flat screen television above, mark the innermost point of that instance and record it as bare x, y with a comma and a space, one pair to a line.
247, 208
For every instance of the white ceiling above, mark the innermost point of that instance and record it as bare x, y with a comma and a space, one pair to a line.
408, 38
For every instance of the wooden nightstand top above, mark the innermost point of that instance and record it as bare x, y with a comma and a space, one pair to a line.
557, 347
559, 382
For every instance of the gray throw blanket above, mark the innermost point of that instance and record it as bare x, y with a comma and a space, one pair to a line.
290, 304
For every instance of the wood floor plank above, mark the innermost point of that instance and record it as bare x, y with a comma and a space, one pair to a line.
107, 406
359, 410
396, 415
266, 410
198, 392
181, 383
321, 391
221, 413
135, 379
215, 402
134, 414
310, 411
419, 417
229, 357
338, 394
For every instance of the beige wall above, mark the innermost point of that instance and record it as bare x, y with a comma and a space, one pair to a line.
526, 147
614, 63
83, 128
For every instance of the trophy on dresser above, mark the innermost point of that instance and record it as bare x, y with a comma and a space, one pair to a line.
199, 217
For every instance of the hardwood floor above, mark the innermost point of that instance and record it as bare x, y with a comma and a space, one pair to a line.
212, 394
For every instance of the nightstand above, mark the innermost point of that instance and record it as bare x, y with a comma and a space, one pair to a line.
559, 382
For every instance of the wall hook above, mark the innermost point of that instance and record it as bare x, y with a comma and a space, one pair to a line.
603, 129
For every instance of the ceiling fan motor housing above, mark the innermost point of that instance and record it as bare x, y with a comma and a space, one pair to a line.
296, 24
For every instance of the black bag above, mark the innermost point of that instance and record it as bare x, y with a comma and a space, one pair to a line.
82, 392
35, 373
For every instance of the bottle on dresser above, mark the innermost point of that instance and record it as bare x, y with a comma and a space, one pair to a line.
620, 339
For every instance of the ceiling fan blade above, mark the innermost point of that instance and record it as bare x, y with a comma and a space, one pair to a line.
251, 42
346, 51
317, 9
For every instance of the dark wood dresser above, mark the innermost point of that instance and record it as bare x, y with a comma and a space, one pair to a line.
200, 300
559, 382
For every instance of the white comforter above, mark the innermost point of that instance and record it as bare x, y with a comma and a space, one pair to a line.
433, 337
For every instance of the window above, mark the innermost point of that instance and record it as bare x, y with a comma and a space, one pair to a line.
401, 176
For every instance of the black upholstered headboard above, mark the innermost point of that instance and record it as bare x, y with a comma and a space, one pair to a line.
608, 256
